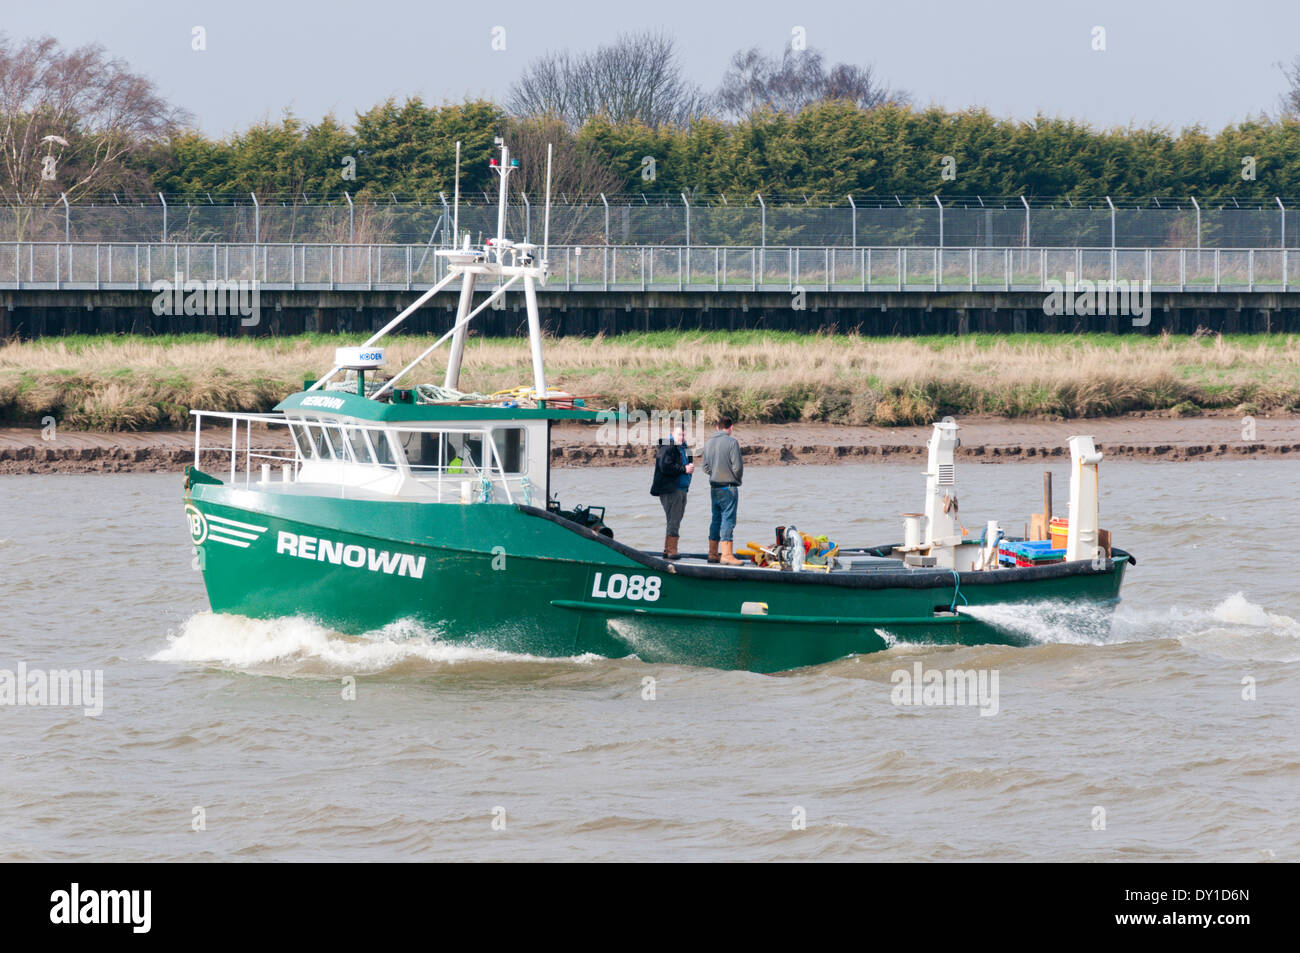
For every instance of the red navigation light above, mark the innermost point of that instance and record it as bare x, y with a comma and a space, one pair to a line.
492, 162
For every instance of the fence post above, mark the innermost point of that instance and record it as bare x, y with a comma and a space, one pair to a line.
854, 218
1026, 205
351, 218
687, 203
257, 219
528, 218
67, 219
1282, 212
164, 206
1112, 224
762, 255
940, 204
1197, 205
605, 201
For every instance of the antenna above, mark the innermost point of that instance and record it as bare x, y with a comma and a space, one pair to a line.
455, 227
503, 168
546, 237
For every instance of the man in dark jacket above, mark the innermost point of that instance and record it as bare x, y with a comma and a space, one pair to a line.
672, 481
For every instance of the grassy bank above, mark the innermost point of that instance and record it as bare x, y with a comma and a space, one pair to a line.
136, 383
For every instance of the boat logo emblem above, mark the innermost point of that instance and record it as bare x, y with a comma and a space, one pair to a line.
198, 524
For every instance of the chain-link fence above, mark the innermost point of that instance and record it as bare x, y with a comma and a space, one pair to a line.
311, 267
669, 220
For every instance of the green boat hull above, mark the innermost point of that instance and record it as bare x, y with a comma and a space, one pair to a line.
521, 580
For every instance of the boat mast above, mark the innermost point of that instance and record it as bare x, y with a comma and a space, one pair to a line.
507, 261
451, 380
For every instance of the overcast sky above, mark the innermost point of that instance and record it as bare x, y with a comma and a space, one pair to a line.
1171, 63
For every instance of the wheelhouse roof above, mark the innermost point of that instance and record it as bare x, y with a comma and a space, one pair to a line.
363, 408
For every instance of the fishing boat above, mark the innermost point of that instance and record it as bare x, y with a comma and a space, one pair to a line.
395, 501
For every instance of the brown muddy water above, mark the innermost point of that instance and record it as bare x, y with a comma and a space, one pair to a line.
240, 727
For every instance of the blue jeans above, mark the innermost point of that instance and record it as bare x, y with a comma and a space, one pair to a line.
724, 500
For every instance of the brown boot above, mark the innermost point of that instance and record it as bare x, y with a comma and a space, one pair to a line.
713, 550
670, 548
727, 558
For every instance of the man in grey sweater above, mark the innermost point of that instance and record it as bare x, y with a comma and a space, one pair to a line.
722, 462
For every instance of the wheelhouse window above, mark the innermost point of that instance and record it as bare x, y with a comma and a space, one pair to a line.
511, 442
355, 439
302, 440
420, 449
462, 453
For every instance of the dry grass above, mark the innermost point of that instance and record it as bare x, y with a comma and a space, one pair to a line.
132, 383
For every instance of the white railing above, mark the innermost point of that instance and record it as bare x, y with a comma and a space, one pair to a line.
247, 452
441, 478
630, 268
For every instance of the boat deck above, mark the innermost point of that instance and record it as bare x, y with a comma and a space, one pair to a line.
842, 567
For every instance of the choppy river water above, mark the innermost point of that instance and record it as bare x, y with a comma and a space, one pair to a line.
1172, 737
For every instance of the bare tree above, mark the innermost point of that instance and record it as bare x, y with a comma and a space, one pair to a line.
756, 80
1290, 100
638, 77
575, 169
72, 120
576, 172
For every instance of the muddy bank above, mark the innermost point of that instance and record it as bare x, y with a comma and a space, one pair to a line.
983, 439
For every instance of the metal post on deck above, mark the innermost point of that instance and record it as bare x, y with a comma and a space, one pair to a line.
534, 344
463, 308
455, 222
